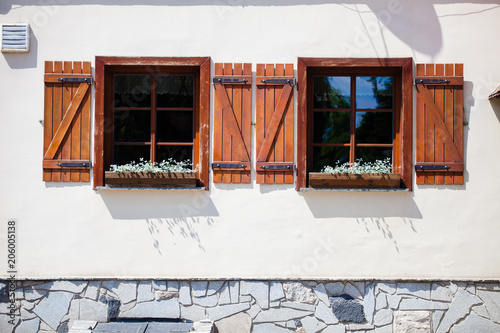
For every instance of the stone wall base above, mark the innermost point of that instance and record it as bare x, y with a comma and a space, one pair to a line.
256, 306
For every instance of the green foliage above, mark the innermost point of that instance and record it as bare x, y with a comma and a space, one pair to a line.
170, 165
359, 167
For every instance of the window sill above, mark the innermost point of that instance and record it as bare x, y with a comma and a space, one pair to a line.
308, 189
123, 188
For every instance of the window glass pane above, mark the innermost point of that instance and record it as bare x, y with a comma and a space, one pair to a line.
132, 126
127, 154
323, 156
178, 153
331, 127
374, 92
174, 126
371, 154
174, 91
332, 92
373, 127
132, 91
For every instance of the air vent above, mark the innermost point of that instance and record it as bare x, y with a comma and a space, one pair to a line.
15, 37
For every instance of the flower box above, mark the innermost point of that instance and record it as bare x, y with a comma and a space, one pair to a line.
150, 179
348, 180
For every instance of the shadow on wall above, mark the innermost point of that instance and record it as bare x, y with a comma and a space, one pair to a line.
180, 213
404, 18
370, 209
495, 104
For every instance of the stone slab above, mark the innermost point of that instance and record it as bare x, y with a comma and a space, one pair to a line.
28, 326
193, 312
155, 309
347, 309
334, 288
299, 306
296, 291
93, 310
387, 287
224, 295
491, 301
380, 301
159, 285
369, 303
206, 301
92, 291
421, 304
238, 323
258, 289
420, 290
269, 328
312, 324
213, 287
475, 324
325, 314
69, 286
321, 293
441, 293
126, 291
144, 292
280, 314
459, 308
234, 291
185, 294
199, 288
276, 291
53, 307
224, 311
412, 322
382, 317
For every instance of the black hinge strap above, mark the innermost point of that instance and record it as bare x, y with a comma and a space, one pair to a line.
228, 165
283, 81
228, 80
420, 167
277, 166
76, 79
431, 81
75, 164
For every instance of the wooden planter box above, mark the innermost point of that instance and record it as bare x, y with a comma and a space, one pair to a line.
150, 179
347, 180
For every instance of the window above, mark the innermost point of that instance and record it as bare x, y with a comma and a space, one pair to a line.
154, 109
352, 109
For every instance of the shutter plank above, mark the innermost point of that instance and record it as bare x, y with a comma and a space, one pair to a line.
448, 114
420, 177
47, 117
86, 129
439, 144
76, 134
429, 130
227, 132
67, 91
276, 123
246, 118
56, 114
288, 129
260, 122
458, 122
236, 103
217, 174
270, 104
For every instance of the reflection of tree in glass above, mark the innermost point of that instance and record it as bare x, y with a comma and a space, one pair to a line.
374, 127
175, 91
328, 97
331, 126
384, 95
323, 156
371, 154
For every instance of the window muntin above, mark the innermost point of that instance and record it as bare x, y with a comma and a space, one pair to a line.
353, 118
153, 117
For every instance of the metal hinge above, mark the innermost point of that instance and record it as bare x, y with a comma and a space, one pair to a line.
420, 167
228, 80
283, 81
228, 165
76, 79
74, 164
277, 166
431, 81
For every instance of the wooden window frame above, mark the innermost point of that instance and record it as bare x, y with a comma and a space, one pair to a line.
105, 67
403, 67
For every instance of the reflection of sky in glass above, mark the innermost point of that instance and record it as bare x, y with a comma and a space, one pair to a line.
365, 96
342, 83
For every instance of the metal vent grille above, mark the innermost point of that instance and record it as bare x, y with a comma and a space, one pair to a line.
15, 37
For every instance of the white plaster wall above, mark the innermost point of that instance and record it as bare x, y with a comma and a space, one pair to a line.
252, 231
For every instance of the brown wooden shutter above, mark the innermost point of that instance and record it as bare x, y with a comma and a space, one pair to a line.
439, 124
232, 123
66, 139
274, 123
